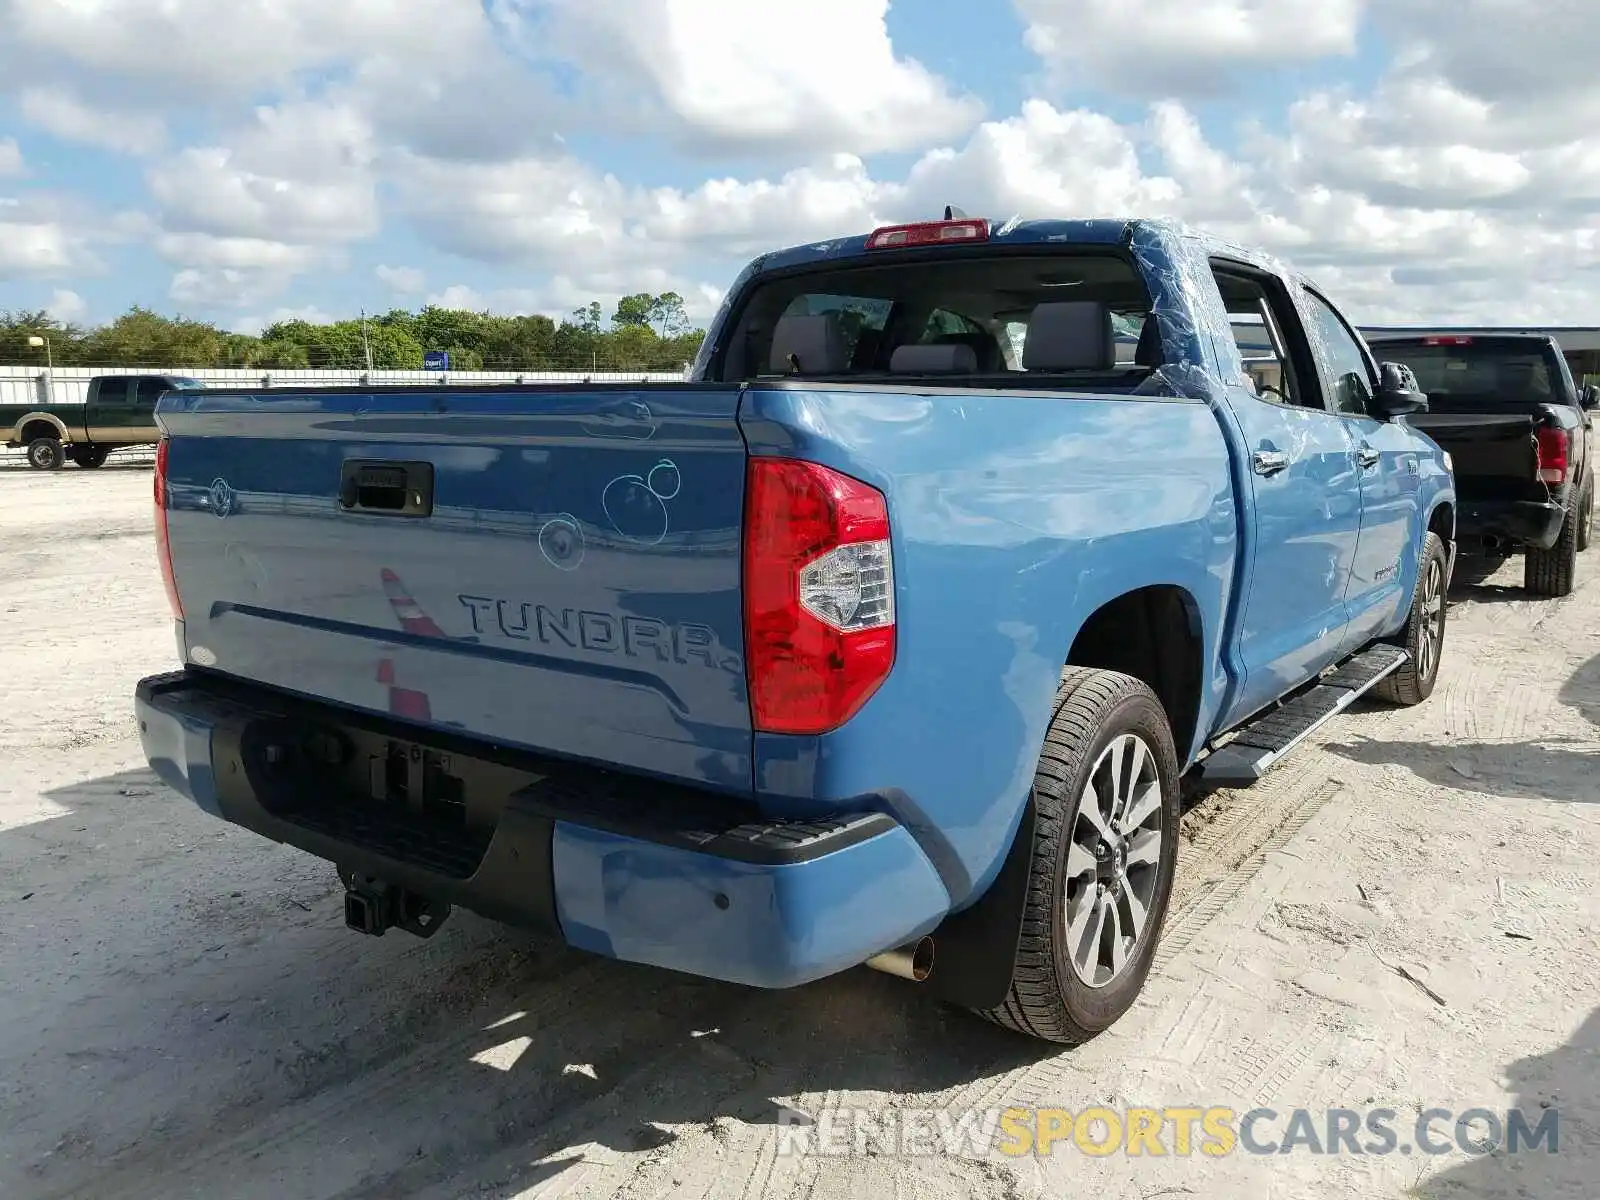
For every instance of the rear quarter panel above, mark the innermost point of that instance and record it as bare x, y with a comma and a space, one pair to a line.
1015, 516
66, 418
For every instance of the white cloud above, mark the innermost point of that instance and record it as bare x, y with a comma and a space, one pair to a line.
36, 247
747, 217
253, 325
33, 247
781, 75
1182, 47
44, 235
460, 296
300, 172
234, 49
294, 185
527, 209
60, 113
1467, 177
1533, 61
11, 164
407, 281
236, 253
1043, 162
66, 305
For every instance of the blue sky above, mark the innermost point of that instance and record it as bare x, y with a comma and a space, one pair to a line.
241, 163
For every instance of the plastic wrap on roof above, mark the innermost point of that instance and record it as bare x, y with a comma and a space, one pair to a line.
1187, 311
1195, 313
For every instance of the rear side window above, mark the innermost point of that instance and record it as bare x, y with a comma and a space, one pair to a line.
1470, 372
112, 391
966, 315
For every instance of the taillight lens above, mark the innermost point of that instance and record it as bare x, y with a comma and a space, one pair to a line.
818, 595
163, 543
1553, 445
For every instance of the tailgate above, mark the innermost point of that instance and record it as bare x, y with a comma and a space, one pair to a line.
1494, 453
550, 568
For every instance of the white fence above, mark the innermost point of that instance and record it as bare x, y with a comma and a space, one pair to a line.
31, 385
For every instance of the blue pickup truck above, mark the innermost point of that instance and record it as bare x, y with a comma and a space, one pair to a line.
884, 639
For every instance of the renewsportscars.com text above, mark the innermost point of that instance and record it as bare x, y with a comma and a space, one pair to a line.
1207, 1132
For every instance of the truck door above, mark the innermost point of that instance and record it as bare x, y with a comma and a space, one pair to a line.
1386, 463
106, 410
141, 423
1301, 468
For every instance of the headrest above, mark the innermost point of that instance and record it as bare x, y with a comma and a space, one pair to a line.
1072, 335
816, 343
983, 345
948, 359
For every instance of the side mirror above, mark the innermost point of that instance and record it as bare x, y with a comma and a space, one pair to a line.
1398, 393
1590, 397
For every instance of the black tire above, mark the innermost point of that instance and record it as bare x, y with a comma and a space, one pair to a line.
90, 458
46, 454
1586, 515
1554, 572
1049, 999
1422, 638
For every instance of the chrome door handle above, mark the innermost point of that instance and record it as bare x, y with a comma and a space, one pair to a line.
1367, 457
1269, 462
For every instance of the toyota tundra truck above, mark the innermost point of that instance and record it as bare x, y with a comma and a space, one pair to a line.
884, 638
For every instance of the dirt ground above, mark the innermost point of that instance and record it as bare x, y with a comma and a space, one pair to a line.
1403, 916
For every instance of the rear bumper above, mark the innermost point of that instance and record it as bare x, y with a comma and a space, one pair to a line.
1525, 522
642, 872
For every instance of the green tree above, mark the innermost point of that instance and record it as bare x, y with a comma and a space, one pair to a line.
66, 340
634, 312
587, 318
648, 333
667, 315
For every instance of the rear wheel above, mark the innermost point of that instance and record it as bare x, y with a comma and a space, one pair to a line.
1422, 638
90, 456
46, 454
1554, 572
1104, 853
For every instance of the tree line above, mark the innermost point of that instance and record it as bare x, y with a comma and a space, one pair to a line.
645, 332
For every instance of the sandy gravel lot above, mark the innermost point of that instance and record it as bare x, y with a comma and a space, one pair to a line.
1404, 916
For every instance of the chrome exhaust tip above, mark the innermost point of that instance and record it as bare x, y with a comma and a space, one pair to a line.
913, 961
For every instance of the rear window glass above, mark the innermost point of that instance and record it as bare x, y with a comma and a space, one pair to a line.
986, 304
1481, 373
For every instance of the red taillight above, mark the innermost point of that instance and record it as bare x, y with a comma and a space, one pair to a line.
1553, 445
1450, 340
928, 233
818, 595
163, 545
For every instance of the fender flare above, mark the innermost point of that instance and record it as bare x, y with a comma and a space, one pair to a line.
49, 418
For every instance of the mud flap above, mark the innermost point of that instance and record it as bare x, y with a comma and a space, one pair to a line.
975, 950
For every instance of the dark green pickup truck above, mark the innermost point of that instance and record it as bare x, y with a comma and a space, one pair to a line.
119, 411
